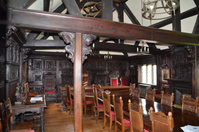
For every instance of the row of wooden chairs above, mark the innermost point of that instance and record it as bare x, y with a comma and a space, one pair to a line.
68, 101
188, 103
159, 120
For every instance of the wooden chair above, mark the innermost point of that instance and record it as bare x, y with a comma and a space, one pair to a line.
85, 101
161, 122
97, 108
189, 104
136, 117
63, 90
131, 88
135, 93
167, 99
107, 108
69, 100
21, 126
150, 94
120, 121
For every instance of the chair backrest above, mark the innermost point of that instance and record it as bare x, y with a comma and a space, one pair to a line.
131, 88
95, 93
83, 95
167, 99
161, 122
63, 90
106, 102
197, 100
118, 108
135, 93
189, 103
150, 94
69, 96
136, 117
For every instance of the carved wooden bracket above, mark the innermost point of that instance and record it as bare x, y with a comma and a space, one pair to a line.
70, 38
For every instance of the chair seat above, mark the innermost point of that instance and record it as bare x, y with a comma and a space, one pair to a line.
100, 106
126, 122
113, 114
158, 95
89, 102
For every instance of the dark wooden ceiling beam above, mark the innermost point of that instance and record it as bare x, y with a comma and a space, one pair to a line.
53, 22
45, 44
196, 26
72, 7
46, 5
186, 14
197, 3
176, 20
34, 34
115, 47
130, 15
107, 10
20, 4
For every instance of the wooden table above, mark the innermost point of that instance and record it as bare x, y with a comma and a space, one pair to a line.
37, 107
180, 118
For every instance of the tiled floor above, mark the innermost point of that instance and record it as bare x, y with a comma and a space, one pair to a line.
57, 120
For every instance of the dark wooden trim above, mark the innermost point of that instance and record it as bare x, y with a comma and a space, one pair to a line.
72, 7
186, 14
78, 83
59, 22
130, 15
197, 3
42, 44
176, 20
20, 4
32, 35
196, 26
115, 47
46, 5
107, 10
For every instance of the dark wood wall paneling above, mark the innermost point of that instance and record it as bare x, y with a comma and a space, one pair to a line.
98, 69
12, 67
179, 60
3, 16
2, 71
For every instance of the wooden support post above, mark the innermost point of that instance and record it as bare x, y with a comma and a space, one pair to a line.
78, 83
195, 73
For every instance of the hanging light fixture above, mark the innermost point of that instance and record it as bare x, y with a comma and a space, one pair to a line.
158, 9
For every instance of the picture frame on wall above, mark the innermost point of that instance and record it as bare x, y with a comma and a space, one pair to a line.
166, 74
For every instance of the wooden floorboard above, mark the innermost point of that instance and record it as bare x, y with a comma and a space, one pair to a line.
57, 120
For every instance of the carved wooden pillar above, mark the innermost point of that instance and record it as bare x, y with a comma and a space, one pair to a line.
77, 51
195, 80
78, 83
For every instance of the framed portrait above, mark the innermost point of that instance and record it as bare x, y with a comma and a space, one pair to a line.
165, 75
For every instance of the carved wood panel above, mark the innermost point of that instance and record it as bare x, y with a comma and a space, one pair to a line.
49, 65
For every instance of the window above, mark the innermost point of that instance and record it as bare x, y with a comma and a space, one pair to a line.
147, 74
